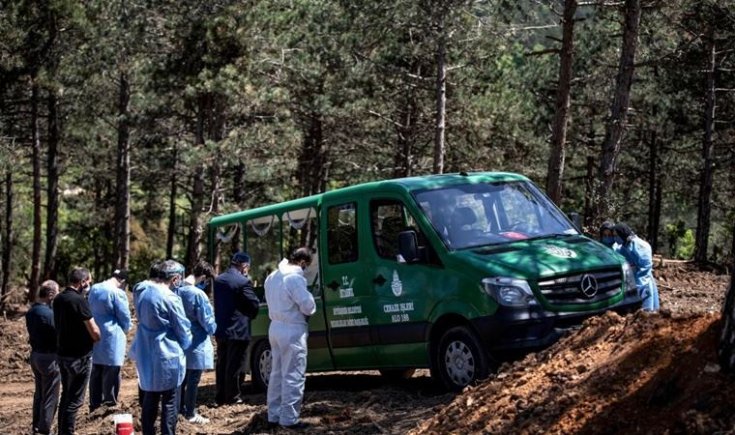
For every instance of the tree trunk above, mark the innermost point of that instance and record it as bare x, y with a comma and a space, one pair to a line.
37, 205
701, 239
171, 233
616, 124
589, 188
312, 161
441, 95
8, 239
122, 170
406, 135
197, 192
52, 188
555, 173
652, 193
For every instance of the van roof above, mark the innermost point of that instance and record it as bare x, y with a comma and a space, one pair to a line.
407, 184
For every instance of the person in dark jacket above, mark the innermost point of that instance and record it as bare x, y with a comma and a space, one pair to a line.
235, 304
42, 335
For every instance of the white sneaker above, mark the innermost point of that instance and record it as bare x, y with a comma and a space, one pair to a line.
198, 419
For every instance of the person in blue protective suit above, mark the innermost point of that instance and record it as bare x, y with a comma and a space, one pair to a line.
235, 304
639, 255
163, 334
289, 306
109, 304
607, 235
200, 355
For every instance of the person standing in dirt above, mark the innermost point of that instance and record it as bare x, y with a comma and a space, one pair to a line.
235, 304
109, 304
42, 336
289, 306
162, 335
639, 255
76, 333
200, 355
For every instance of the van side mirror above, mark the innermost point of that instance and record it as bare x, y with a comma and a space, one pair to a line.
408, 246
576, 220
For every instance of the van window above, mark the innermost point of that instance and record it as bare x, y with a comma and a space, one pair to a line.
300, 229
342, 233
387, 219
263, 241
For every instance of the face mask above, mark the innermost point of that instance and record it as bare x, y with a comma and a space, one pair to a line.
619, 241
202, 285
608, 241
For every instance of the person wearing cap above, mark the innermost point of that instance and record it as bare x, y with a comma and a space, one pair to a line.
235, 304
109, 305
639, 255
42, 336
162, 336
200, 355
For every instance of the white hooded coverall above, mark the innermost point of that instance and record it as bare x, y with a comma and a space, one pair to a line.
289, 302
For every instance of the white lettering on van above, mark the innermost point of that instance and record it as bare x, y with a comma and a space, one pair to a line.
342, 323
396, 285
346, 293
398, 308
345, 311
399, 318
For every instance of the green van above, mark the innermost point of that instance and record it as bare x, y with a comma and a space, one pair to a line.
450, 272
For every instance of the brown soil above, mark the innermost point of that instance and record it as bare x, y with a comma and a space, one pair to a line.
640, 373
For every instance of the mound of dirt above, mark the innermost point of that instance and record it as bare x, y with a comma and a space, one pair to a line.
641, 373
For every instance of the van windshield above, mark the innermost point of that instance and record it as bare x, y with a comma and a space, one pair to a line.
478, 214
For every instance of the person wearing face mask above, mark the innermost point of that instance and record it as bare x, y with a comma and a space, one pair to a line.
42, 336
235, 304
200, 355
639, 255
607, 235
289, 307
162, 336
200, 275
76, 333
109, 304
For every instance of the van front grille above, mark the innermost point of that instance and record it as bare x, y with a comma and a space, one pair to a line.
582, 288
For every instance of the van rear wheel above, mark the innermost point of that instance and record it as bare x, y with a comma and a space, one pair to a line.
461, 359
261, 365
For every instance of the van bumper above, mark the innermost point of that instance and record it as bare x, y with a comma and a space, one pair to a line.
515, 331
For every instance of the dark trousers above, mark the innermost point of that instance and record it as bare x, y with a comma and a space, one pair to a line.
169, 401
104, 385
189, 393
230, 363
74, 380
46, 396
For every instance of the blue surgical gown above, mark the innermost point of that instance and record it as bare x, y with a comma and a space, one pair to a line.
109, 306
200, 355
639, 254
163, 334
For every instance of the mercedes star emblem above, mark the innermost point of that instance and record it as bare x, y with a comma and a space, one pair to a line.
588, 285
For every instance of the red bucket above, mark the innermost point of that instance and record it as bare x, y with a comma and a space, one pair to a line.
124, 429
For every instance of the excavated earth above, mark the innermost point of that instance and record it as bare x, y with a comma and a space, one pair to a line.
642, 373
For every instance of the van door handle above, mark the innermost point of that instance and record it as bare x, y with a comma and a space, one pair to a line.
334, 285
379, 280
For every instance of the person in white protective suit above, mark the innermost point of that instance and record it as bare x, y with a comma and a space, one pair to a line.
289, 306
640, 256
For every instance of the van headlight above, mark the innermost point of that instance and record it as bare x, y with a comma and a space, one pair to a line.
510, 292
629, 277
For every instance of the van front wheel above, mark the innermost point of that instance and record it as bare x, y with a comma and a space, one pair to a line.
461, 359
261, 365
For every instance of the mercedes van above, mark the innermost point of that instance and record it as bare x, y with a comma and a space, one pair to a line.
450, 272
